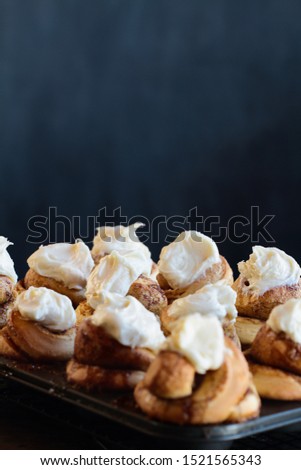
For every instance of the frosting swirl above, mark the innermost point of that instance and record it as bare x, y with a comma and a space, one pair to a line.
68, 263
114, 273
122, 239
267, 268
200, 339
216, 300
187, 258
129, 322
287, 318
47, 307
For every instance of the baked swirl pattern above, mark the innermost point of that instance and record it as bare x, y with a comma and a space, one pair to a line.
100, 362
27, 340
172, 391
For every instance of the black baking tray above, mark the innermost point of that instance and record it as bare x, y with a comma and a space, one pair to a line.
120, 407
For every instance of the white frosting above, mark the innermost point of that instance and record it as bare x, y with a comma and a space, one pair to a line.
46, 307
287, 318
115, 273
129, 322
187, 258
6, 263
200, 339
213, 299
122, 239
68, 263
268, 268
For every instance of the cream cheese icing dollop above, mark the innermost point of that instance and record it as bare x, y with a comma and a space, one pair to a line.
200, 339
187, 258
68, 263
47, 307
6, 263
286, 318
213, 299
129, 322
114, 273
122, 239
267, 268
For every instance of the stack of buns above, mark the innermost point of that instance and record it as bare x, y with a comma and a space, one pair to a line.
170, 333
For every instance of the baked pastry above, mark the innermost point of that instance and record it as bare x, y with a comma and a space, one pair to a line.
83, 311
247, 329
8, 279
149, 293
268, 278
121, 274
19, 287
248, 407
199, 377
6, 298
275, 354
189, 263
115, 345
41, 327
62, 267
211, 300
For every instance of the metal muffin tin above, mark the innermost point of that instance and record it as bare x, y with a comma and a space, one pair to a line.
120, 407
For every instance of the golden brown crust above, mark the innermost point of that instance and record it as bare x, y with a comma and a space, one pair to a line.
100, 362
170, 377
94, 346
19, 287
212, 400
5, 309
149, 293
162, 282
99, 379
6, 289
223, 388
247, 329
34, 279
275, 383
229, 328
8, 348
3, 316
219, 271
248, 407
36, 342
83, 311
166, 321
251, 305
276, 350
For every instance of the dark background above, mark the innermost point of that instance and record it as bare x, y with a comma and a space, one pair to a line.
155, 106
